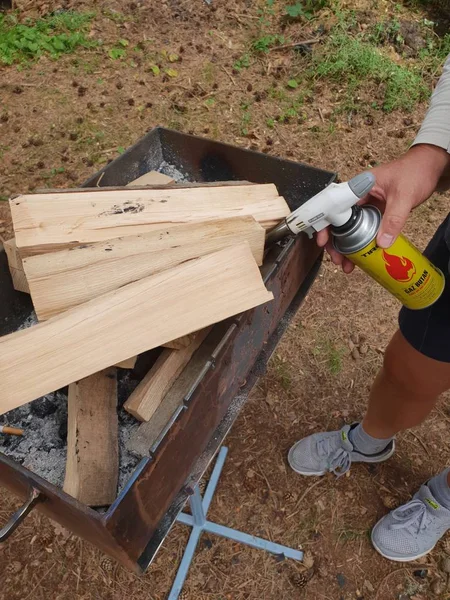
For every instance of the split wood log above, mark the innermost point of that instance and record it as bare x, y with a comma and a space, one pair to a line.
92, 465
61, 280
148, 395
123, 323
56, 221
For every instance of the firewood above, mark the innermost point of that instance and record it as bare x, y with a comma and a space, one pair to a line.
123, 323
92, 466
61, 280
146, 398
58, 220
16, 267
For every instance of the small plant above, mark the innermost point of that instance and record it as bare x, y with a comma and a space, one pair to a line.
297, 10
54, 35
305, 9
293, 84
116, 53
242, 63
264, 43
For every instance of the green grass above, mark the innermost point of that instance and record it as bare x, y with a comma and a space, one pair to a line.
265, 42
242, 63
356, 62
304, 9
54, 35
330, 355
282, 372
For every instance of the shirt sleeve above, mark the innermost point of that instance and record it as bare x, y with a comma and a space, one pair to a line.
435, 129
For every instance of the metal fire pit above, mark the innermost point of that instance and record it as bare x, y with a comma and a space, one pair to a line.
137, 522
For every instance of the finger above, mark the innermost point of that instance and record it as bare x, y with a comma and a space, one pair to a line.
373, 201
347, 266
322, 237
335, 256
394, 219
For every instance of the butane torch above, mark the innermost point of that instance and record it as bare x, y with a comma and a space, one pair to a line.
402, 269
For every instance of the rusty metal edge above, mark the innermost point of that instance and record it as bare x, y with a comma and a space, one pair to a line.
223, 428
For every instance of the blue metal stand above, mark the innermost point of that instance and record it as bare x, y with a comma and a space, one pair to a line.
199, 524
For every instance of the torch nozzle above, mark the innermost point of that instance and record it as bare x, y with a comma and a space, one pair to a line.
277, 233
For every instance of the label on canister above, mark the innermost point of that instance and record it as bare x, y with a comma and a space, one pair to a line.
403, 270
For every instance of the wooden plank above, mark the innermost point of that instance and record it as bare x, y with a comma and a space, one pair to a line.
148, 395
61, 280
126, 322
129, 363
12, 253
182, 342
148, 432
19, 280
16, 267
115, 188
151, 178
49, 222
92, 466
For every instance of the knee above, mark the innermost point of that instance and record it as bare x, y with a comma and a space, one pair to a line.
398, 370
411, 371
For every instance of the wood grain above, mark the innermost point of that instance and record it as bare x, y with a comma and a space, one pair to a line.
49, 222
92, 466
61, 280
16, 267
148, 432
182, 342
123, 323
148, 395
129, 363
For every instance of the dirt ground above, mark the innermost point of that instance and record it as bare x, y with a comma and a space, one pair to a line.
61, 121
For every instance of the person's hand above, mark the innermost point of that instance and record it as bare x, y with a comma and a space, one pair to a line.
400, 186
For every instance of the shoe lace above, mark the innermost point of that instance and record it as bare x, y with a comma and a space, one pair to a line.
413, 515
339, 460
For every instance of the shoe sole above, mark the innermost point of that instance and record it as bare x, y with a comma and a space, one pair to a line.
320, 473
397, 558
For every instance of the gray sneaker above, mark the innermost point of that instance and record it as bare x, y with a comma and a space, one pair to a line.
332, 451
412, 530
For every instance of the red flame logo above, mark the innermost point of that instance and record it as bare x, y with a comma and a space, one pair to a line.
399, 268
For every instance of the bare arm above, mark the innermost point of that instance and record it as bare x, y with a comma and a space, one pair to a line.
408, 181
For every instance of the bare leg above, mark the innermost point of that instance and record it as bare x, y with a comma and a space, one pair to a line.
405, 390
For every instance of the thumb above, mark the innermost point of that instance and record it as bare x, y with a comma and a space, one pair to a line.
394, 219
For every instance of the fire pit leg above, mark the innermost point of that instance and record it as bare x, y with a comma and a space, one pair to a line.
199, 523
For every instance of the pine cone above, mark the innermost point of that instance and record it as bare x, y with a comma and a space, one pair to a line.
390, 502
46, 538
301, 579
106, 564
14, 567
184, 595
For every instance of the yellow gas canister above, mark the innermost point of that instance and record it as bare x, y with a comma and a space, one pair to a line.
401, 269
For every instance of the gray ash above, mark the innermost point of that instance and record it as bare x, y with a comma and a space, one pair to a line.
43, 447
172, 171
